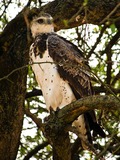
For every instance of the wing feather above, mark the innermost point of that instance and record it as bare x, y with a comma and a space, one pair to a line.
71, 64
73, 68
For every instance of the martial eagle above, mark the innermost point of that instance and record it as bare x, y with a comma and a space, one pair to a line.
62, 73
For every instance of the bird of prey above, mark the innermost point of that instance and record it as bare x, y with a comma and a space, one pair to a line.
62, 73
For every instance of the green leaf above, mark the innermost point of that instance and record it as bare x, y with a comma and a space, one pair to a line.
113, 28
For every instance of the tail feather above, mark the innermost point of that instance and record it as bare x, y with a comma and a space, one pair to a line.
96, 128
94, 125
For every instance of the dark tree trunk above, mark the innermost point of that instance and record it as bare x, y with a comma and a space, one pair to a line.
13, 54
61, 147
54, 130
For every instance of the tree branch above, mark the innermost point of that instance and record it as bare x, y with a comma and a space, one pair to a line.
96, 12
105, 148
59, 120
36, 120
116, 78
101, 89
107, 18
112, 41
70, 112
55, 125
97, 41
33, 93
35, 150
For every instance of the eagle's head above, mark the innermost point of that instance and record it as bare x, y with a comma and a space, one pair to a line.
42, 24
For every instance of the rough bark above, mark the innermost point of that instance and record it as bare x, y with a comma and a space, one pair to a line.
72, 13
58, 138
14, 54
57, 125
69, 113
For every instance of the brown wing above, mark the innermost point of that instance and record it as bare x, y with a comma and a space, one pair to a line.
71, 65
73, 68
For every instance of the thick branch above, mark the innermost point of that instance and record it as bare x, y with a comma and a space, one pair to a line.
96, 12
56, 123
69, 113
59, 120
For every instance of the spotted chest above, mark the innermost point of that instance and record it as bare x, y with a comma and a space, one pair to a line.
56, 91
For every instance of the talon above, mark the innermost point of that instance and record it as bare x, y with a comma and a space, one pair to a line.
51, 110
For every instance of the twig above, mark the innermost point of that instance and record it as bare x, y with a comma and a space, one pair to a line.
101, 89
105, 85
36, 120
35, 150
5, 7
110, 14
74, 17
112, 41
19, 68
105, 148
117, 77
13, 71
97, 42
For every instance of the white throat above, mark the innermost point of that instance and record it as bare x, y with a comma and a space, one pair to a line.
36, 29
